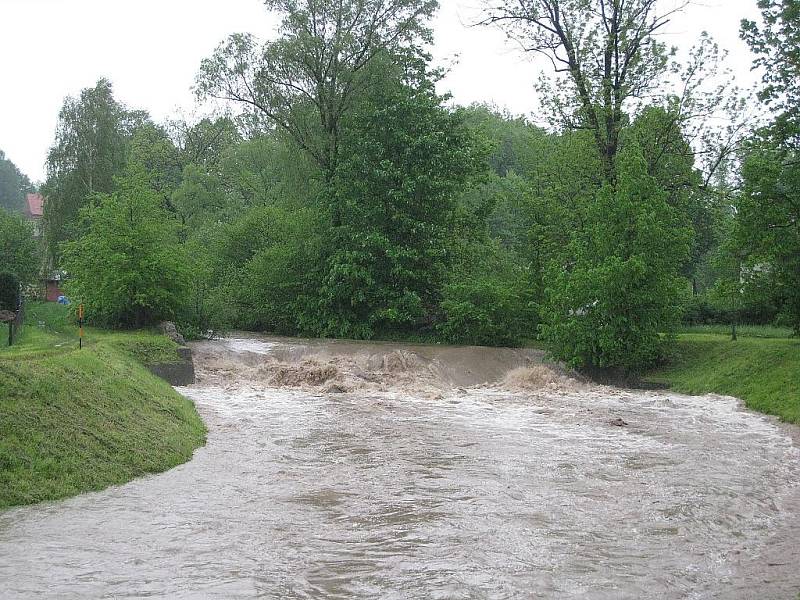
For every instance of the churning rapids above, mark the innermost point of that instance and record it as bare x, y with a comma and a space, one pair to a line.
344, 470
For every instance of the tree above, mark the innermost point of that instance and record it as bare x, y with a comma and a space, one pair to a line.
405, 160
270, 169
305, 82
18, 247
610, 304
609, 65
150, 151
768, 220
607, 51
13, 185
776, 44
266, 269
199, 198
204, 143
89, 151
127, 267
768, 209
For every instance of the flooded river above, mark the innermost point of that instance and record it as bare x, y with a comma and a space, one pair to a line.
343, 470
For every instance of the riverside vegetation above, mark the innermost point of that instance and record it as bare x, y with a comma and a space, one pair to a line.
343, 195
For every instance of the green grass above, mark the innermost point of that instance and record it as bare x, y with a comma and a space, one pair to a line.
762, 371
758, 331
73, 421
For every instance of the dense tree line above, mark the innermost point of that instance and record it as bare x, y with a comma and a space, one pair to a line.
345, 197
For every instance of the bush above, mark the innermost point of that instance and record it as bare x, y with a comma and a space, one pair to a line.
9, 291
702, 310
490, 304
487, 313
128, 268
266, 266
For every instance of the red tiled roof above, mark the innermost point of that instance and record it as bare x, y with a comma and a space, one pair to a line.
35, 205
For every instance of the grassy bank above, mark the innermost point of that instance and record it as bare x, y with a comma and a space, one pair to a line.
74, 420
763, 371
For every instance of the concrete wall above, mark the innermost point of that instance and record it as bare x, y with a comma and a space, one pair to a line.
176, 373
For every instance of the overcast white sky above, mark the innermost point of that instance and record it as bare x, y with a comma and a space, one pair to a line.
151, 49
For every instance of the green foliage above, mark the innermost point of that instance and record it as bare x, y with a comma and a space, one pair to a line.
711, 309
347, 200
90, 149
267, 263
152, 153
205, 142
776, 43
18, 247
127, 268
270, 169
767, 229
13, 186
489, 301
404, 161
305, 81
605, 55
9, 291
608, 306
767, 226
200, 198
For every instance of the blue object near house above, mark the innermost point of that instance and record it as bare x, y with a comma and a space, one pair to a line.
63, 300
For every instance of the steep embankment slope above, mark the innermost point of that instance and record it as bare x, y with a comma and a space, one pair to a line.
74, 420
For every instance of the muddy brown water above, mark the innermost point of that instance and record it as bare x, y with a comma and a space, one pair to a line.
343, 470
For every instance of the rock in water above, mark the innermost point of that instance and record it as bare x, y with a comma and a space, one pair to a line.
168, 329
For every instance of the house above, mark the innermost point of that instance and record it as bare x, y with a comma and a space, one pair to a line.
34, 211
51, 280
52, 285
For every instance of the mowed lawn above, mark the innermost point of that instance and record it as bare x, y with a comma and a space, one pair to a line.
75, 420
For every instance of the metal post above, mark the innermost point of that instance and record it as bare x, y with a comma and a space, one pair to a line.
80, 325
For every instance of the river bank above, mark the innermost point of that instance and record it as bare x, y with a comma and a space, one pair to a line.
74, 421
763, 372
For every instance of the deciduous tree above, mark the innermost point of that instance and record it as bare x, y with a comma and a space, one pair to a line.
89, 151
307, 80
13, 185
18, 247
609, 305
127, 267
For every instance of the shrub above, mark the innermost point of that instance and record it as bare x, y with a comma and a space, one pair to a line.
9, 291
